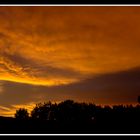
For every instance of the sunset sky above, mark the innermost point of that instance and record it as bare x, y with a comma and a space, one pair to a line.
87, 54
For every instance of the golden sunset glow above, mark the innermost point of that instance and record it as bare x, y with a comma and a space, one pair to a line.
57, 53
9, 112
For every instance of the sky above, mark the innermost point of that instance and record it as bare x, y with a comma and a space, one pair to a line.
87, 54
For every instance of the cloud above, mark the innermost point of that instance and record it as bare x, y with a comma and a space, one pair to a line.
57, 53
119, 87
114, 88
1, 88
36, 50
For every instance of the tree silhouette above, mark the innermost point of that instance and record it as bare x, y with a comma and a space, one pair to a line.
73, 116
42, 111
66, 110
22, 114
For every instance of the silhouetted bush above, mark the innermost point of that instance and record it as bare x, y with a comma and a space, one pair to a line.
21, 114
41, 111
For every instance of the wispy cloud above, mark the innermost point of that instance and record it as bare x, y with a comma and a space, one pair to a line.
36, 50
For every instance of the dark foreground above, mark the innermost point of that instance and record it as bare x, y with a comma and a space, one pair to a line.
13, 126
69, 117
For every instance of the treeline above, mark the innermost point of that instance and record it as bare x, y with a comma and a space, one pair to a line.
72, 111
70, 117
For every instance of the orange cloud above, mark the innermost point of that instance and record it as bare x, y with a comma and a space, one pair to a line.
44, 39
43, 49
